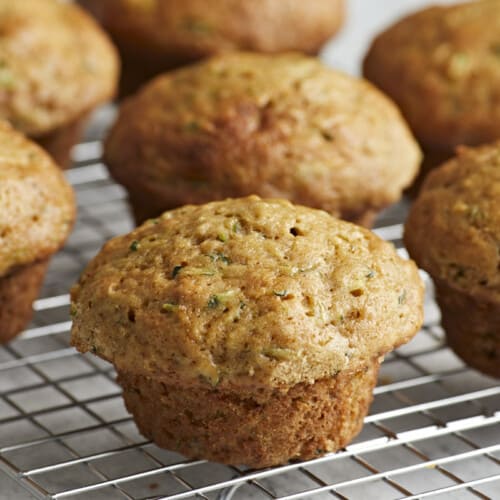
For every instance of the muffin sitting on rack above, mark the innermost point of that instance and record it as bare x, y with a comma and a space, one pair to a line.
37, 210
453, 232
56, 66
281, 126
441, 66
157, 35
247, 331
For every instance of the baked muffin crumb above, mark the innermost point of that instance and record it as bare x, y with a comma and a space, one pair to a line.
453, 232
278, 126
440, 65
37, 210
255, 314
56, 66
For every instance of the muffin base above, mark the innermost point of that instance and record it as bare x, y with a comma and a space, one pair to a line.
472, 326
60, 141
18, 290
258, 429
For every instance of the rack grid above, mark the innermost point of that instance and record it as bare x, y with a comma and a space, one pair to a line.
433, 428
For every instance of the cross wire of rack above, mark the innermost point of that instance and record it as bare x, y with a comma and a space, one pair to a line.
433, 428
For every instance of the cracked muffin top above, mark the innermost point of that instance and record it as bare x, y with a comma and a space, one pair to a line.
453, 230
55, 64
192, 29
245, 292
442, 67
281, 126
37, 207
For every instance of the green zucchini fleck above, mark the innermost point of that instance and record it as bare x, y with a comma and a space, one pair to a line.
197, 26
192, 126
218, 256
236, 227
213, 302
169, 307
220, 298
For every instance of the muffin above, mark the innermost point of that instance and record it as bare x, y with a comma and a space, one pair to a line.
453, 232
277, 126
441, 66
36, 214
247, 330
56, 65
157, 35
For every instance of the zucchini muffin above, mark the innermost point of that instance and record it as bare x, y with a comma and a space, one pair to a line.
441, 66
56, 65
157, 35
36, 214
453, 232
281, 126
247, 330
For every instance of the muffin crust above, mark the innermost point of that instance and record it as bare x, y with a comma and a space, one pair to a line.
458, 211
56, 64
37, 205
37, 210
441, 66
277, 126
157, 35
251, 292
453, 232
257, 316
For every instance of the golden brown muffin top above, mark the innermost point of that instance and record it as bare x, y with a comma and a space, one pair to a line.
197, 28
442, 66
55, 64
37, 207
279, 126
245, 292
453, 230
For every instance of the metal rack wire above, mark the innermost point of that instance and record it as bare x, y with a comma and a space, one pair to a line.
433, 429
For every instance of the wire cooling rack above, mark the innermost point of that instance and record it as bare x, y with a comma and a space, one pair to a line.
433, 429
